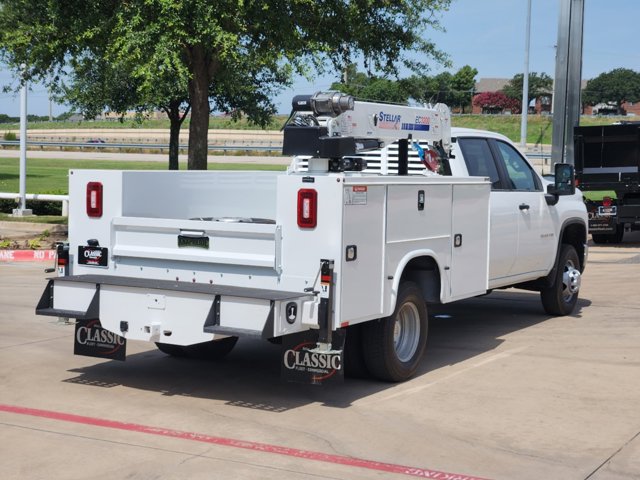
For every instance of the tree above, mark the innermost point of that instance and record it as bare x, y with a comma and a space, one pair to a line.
455, 90
96, 84
617, 86
228, 52
539, 85
496, 102
463, 84
370, 88
425, 89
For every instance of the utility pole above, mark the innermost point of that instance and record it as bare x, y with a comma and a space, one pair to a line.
525, 81
568, 80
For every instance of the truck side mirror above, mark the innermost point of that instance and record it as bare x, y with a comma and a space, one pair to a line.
564, 180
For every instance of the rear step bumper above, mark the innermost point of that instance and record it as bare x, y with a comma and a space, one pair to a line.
215, 294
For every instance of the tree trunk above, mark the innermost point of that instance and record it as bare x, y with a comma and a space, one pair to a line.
199, 97
174, 134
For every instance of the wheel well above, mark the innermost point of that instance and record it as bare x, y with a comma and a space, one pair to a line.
425, 273
575, 234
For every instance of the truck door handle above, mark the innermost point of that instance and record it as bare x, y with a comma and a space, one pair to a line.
523, 206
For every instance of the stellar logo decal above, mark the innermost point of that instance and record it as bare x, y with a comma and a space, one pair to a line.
389, 121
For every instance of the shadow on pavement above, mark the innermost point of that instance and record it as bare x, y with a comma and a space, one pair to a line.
249, 377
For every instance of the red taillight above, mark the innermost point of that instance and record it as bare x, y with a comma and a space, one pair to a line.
607, 201
307, 208
94, 199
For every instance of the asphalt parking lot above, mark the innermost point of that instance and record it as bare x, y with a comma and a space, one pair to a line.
505, 392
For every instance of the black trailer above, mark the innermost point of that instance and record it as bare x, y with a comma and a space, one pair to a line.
607, 161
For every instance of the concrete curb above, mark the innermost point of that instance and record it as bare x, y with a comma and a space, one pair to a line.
7, 256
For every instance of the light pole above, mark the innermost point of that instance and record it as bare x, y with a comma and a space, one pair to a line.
22, 211
525, 81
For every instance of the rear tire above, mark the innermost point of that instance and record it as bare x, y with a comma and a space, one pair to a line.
393, 346
561, 297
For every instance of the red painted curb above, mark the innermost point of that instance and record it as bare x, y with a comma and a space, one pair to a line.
247, 445
27, 255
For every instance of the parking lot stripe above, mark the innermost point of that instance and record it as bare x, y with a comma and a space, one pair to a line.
234, 443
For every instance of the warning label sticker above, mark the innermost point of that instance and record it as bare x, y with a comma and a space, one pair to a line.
356, 195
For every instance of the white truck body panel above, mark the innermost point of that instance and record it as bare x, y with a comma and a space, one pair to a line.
379, 215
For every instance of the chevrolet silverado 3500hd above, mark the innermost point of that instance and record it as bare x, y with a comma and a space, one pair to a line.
384, 210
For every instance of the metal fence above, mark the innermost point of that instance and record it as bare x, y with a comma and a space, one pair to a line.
139, 146
40, 197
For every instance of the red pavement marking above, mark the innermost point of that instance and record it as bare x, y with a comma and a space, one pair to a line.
230, 442
27, 255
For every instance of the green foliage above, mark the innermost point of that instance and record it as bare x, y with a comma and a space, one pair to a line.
370, 88
496, 102
227, 54
455, 90
10, 136
539, 84
463, 86
617, 86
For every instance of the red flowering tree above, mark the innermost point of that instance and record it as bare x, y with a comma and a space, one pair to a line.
496, 102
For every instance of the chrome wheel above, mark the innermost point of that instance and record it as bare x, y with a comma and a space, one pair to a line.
406, 332
571, 280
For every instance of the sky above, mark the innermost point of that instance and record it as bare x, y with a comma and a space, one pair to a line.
488, 35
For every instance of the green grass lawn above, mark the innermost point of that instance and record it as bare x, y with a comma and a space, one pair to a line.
51, 175
539, 127
218, 122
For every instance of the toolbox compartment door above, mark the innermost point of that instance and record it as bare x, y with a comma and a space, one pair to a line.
245, 244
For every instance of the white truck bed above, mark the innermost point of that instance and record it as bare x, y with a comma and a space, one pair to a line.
242, 283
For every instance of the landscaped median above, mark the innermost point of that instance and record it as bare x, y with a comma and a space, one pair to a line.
29, 241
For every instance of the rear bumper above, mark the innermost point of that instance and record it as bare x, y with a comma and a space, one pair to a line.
178, 313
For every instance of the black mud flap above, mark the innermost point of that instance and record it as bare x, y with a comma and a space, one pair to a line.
303, 363
91, 340
602, 220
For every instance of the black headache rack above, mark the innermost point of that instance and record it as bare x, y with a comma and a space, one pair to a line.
212, 322
608, 157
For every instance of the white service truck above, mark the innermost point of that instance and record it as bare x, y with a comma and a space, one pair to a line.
383, 210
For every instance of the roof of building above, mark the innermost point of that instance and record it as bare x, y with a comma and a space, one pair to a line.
491, 84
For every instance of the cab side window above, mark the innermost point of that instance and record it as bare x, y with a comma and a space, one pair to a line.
519, 172
477, 155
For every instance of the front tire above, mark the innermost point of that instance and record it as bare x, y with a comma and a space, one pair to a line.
561, 297
393, 346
